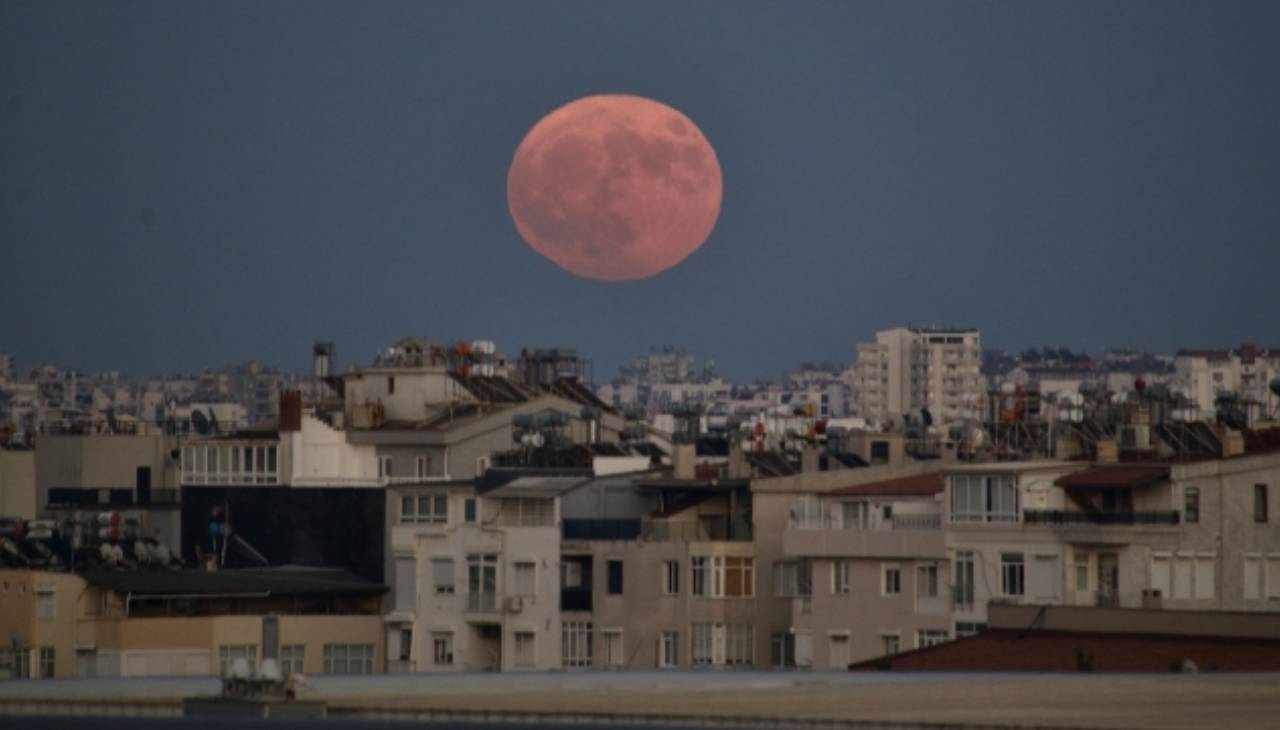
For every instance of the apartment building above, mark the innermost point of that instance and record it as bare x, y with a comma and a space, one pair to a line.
476, 575
659, 573
908, 368
151, 623
1197, 535
1246, 372
868, 567
293, 491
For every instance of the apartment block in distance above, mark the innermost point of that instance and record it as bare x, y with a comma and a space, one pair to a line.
909, 368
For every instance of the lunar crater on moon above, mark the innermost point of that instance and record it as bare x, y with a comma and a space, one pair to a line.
615, 187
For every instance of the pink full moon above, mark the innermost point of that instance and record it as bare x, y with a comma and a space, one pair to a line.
614, 187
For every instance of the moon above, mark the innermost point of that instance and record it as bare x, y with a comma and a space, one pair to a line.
615, 187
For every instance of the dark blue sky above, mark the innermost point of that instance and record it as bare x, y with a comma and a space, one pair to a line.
186, 184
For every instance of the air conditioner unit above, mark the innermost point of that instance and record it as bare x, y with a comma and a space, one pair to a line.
514, 604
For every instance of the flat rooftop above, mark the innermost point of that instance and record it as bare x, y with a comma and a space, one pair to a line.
1080, 700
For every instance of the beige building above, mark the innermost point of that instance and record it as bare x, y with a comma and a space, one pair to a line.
167, 623
867, 564
908, 368
1198, 535
18, 483
659, 574
139, 464
476, 576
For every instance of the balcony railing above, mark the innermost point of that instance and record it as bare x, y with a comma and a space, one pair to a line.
575, 599
897, 522
1070, 517
653, 531
483, 602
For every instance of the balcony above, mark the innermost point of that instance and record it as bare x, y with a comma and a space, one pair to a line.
575, 599
484, 602
1076, 518
903, 536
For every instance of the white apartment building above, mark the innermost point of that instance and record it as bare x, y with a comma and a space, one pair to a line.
1247, 372
911, 367
477, 576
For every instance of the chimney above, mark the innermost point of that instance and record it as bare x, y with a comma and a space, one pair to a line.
323, 358
808, 459
290, 411
1108, 451
683, 457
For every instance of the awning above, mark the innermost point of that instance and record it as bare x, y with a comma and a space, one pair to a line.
1115, 475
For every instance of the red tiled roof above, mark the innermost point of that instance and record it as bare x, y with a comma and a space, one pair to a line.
1002, 650
1207, 354
920, 485
1115, 475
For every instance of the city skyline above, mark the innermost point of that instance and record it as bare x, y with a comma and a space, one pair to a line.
182, 187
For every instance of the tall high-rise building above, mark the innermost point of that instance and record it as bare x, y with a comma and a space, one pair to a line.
921, 367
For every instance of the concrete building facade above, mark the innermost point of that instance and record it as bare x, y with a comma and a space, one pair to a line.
908, 368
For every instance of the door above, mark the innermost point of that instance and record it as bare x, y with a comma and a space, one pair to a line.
1108, 579
142, 486
270, 637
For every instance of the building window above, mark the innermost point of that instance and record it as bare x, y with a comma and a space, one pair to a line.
433, 509
889, 644
930, 637
1253, 572
469, 510
613, 577
482, 582
892, 583
671, 578
838, 651
968, 628
738, 577
983, 498
406, 644
291, 656
669, 650
391, 385
786, 579
442, 648
348, 658
699, 570
442, 575
384, 467
964, 579
526, 578
575, 644
1259, 503
840, 576
1011, 574
1082, 572
422, 465
927, 581
782, 650
613, 648
525, 643
47, 664
856, 515
739, 644
45, 603
700, 645
1191, 505
228, 653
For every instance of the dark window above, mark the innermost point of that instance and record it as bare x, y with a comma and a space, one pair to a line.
879, 452
1259, 503
615, 577
1191, 505
469, 510
391, 384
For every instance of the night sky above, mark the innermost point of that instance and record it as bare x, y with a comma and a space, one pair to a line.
189, 184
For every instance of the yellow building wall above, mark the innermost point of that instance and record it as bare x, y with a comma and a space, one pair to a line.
18, 484
19, 590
